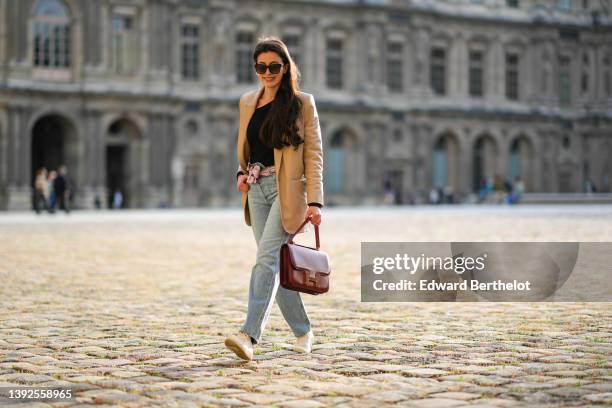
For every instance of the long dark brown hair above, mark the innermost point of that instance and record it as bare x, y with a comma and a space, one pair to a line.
280, 129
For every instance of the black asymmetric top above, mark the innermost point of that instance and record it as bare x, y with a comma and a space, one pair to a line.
258, 151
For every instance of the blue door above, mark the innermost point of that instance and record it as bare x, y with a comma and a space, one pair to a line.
334, 179
439, 168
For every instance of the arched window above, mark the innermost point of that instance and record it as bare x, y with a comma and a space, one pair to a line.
51, 34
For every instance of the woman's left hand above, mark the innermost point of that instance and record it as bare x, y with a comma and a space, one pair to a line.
314, 212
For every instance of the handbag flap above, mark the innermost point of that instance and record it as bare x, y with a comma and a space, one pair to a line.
308, 258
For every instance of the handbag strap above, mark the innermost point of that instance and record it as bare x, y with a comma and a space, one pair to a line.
316, 228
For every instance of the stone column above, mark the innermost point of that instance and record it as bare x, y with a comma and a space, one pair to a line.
218, 57
315, 56
153, 126
536, 165
466, 172
169, 152
552, 152
498, 67
415, 163
426, 141
3, 157
368, 45
311, 56
503, 158
94, 166
177, 167
457, 67
420, 71
375, 161
19, 189
3, 43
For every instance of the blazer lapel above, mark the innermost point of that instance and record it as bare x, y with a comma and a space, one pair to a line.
249, 109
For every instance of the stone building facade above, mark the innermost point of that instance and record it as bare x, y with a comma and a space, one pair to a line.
142, 96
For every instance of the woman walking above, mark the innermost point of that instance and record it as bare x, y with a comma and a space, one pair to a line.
41, 190
280, 176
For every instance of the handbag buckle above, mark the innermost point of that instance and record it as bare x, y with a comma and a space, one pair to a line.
312, 278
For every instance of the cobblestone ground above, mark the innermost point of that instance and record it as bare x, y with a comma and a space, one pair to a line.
131, 309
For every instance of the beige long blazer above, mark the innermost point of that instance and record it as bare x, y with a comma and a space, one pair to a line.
299, 173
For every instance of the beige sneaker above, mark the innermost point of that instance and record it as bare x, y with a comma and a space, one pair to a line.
241, 345
303, 344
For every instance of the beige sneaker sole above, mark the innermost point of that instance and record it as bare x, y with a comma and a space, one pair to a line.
300, 350
239, 351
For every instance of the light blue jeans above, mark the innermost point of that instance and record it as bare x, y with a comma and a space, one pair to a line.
264, 208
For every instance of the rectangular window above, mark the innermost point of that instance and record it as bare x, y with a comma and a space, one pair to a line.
244, 68
565, 4
565, 90
190, 51
395, 71
292, 41
124, 46
512, 76
66, 47
476, 73
513, 3
585, 77
333, 66
51, 44
438, 71
607, 74
38, 44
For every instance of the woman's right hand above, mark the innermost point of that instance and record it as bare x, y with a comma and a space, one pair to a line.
241, 183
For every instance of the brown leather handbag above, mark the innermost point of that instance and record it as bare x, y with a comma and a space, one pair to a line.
304, 269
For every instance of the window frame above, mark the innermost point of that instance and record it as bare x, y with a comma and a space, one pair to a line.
190, 53
335, 74
475, 67
124, 44
245, 73
512, 75
438, 70
395, 65
564, 79
53, 51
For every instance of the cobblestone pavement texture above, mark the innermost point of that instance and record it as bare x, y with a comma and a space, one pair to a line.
131, 309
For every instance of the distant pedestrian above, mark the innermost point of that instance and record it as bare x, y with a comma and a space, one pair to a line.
590, 187
51, 188
485, 188
509, 190
41, 190
434, 196
62, 189
117, 200
519, 189
449, 195
498, 190
389, 194
97, 202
